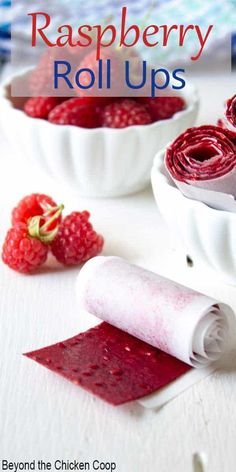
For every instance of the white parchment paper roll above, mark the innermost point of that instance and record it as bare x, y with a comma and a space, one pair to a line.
183, 323
217, 193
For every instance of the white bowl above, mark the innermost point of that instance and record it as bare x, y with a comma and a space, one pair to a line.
209, 235
100, 162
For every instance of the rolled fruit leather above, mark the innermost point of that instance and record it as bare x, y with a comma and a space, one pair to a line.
229, 120
202, 163
230, 112
175, 319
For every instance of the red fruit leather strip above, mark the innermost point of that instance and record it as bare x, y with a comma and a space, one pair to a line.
231, 111
111, 364
202, 153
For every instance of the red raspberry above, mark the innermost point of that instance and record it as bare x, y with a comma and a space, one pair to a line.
123, 113
96, 102
21, 252
163, 108
72, 112
41, 78
35, 205
90, 62
40, 107
76, 240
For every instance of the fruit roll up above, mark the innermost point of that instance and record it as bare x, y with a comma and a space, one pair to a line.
202, 163
181, 322
230, 112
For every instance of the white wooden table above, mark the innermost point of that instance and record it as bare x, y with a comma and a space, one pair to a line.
45, 417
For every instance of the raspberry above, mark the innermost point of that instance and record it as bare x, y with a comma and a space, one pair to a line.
90, 62
35, 205
123, 113
40, 107
96, 102
163, 108
76, 240
41, 78
21, 252
72, 112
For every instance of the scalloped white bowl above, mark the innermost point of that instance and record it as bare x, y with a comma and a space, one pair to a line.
100, 162
209, 235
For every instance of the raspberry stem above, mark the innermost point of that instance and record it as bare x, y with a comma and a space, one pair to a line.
40, 232
58, 210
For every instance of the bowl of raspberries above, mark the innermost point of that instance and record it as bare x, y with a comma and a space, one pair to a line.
96, 146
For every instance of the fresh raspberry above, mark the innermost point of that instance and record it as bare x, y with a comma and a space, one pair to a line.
123, 113
163, 108
40, 80
117, 58
72, 112
40, 107
21, 252
90, 62
35, 205
76, 240
96, 102
41, 77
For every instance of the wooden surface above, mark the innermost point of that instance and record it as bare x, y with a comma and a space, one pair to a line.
45, 417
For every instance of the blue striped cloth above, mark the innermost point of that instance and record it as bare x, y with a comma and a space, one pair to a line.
89, 11
5, 29
222, 13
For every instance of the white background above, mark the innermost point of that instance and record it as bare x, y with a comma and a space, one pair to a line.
43, 416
